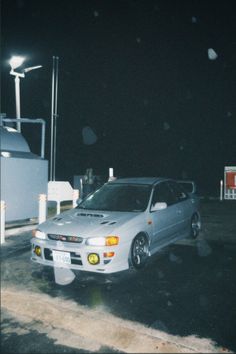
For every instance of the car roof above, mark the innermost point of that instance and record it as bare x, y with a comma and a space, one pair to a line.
139, 180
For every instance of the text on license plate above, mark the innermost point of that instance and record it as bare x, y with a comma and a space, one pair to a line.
61, 257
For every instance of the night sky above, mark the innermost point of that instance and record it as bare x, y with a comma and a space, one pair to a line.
138, 74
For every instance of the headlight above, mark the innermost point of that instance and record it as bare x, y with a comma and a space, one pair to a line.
39, 234
96, 241
103, 241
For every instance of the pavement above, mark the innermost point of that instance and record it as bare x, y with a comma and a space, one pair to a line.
48, 318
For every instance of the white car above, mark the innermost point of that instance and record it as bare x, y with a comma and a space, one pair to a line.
118, 226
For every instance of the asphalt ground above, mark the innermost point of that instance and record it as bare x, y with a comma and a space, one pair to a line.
182, 301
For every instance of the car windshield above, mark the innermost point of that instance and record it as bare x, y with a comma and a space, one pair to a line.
118, 197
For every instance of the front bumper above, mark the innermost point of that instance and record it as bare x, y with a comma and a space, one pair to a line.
78, 255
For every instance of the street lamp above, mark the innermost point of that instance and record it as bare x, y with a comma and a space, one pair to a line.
15, 62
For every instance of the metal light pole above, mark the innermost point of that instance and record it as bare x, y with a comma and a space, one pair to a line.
54, 117
16, 62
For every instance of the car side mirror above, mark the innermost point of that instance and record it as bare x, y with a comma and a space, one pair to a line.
159, 206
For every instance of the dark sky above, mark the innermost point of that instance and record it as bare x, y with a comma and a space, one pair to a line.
137, 73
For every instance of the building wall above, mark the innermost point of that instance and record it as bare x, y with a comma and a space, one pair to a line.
22, 180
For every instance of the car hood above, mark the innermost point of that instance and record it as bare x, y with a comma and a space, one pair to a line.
86, 223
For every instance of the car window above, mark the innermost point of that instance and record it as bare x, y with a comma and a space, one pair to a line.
188, 186
163, 194
118, 197
178, 191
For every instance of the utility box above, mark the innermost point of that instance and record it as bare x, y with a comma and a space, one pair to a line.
230, 182
24, 176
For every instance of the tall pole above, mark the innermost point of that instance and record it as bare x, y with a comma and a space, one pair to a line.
52, 121
17, 94
54, 116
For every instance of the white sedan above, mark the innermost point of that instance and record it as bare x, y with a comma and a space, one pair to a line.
118, 226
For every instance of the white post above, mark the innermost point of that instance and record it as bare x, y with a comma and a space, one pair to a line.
221, 190
42, 208
75, 197
58, 207
81, 187
2, 223
111, 174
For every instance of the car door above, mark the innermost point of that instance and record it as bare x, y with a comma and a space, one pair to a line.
166, 221
183, 206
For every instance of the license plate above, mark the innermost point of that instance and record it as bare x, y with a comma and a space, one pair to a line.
61, 257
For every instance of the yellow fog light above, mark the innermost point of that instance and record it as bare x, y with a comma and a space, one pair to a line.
37, 251
93, 258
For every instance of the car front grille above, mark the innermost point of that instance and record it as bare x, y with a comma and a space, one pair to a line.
75, 258
74, 239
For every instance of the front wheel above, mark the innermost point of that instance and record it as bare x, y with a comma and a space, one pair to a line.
139, 251
195, 226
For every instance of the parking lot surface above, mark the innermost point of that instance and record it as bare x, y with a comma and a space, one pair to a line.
182, 301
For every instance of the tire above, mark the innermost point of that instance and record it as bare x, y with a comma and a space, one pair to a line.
139, 251
195, 226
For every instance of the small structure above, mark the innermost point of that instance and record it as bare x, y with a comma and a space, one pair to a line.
89, 182
24, 175
60, 191
230, 182
86, 183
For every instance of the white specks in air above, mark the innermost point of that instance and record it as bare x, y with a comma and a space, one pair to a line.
229, 114
203, 248
159, 325
212, 55
203, 301
95, 13
166, 126
63, 276
89, 137
160, 274
194, 19
138, 40
174, 258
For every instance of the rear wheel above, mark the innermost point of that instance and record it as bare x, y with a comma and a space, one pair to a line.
139, 251
195, 226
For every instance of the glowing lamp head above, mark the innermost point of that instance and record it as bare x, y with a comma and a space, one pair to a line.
16, 61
